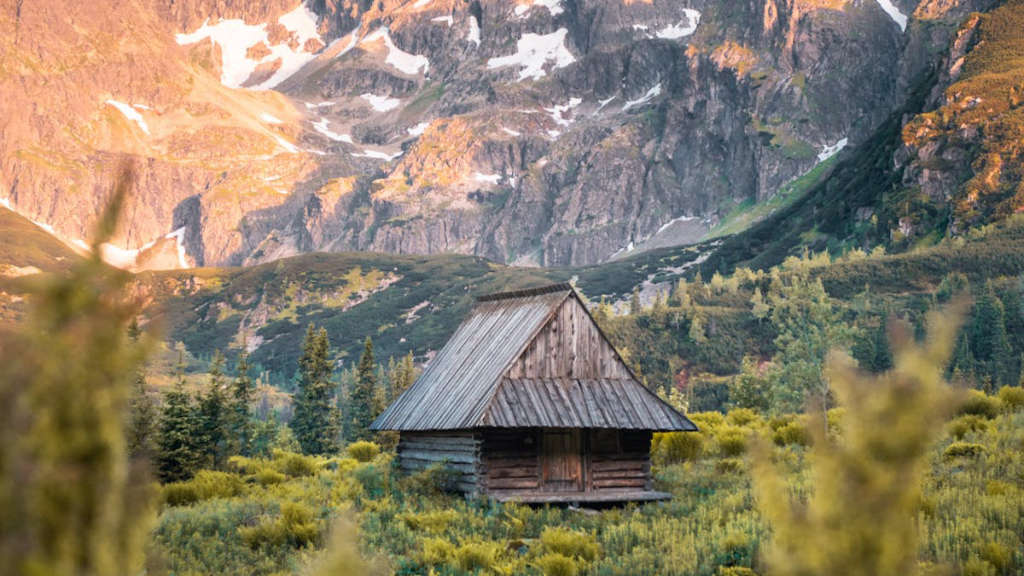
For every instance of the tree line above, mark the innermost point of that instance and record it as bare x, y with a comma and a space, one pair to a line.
188, 432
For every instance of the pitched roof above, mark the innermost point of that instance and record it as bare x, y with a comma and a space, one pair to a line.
463, 386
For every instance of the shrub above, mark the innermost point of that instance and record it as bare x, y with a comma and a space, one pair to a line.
707, 421
205, 485
961, 426
1012, 397
473, 556
436, 552
430, 482
742, 417
570, 543
676, 447
962, 450
792, 433
363, 451
980, 404
268, 477
296, 465
998, 555
295, 527
729, 466
555, 564
435, 521
735, 571
732, 441
977, 567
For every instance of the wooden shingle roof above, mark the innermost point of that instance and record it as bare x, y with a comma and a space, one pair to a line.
465, 386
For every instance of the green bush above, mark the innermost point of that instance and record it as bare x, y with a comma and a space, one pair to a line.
363, 451
962, 450
792, 433
435, 521
980, 404
296, 465
731, 441
977, 567
729, 466
268, 477
735, 571
1012, 397
473, 556
436, 552
965, 424
295, 526
707, 421
570, 543
676, 447
998, 555
742, 417
555, 564
205, 485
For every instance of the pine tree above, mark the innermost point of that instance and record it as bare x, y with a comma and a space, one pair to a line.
142, 414
991, 345
176, 444
213, 417
961, 367
240, 429
361, 399
315, 422
635, 308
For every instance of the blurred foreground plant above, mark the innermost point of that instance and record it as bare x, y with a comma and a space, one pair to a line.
861, 519
72, 502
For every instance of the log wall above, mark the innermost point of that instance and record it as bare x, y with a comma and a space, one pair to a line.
511, 459
619, 459
457, 451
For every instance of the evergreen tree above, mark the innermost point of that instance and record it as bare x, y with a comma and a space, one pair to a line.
758, 307
961, 367
176, 448
142, 412
240, 430
750, 388
361, 399
315, 421
991, 345
213, 417
635, 308
696, 332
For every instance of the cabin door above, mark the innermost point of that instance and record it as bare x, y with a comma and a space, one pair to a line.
561, 460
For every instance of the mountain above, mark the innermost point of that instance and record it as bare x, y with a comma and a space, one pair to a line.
538, 132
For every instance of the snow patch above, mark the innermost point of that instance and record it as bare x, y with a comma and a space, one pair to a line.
235, 38
403, 61
288, 146
898, 17
830, 151
130, 113
603, 103
682, 29
179, 242
323, 126
421, 3
511, 132
534, 51
647, 97
269, 118
473, 36
553, 6
446, 19
376, 155
673, 221
311, 106
488, 178
557, 113
418, 129
381, 103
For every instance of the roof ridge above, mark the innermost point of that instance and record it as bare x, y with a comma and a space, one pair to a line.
527, 292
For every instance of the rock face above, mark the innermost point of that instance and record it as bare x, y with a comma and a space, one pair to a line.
545, 132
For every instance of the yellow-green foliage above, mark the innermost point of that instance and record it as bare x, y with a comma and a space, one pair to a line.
675, 447
436, 552
554, 564
980, 404
1012, 397
205, 485
433, 522
962, 450
861, 519
791, 433
732, 441
965, 424
363, 451
295, 527
475, 556
296, 465
570, 543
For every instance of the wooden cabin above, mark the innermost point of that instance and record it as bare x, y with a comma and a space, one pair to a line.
529, 401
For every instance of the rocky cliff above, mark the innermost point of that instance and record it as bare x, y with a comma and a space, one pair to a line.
550, 132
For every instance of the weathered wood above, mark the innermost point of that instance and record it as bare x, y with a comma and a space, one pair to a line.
607, 495
616, 465
520, 483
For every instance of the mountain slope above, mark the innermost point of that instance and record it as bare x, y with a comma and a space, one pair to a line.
554, 133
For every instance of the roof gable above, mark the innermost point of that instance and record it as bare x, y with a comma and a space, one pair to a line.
522, 353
